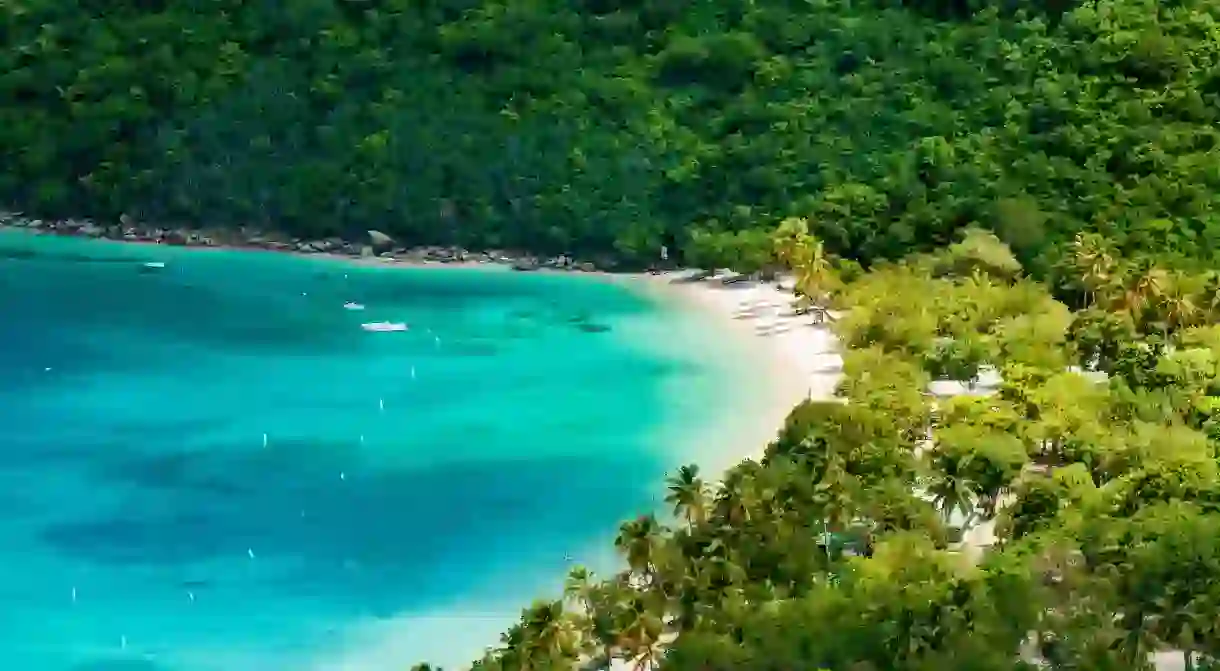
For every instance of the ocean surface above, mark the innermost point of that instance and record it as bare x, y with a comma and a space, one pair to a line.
210, 465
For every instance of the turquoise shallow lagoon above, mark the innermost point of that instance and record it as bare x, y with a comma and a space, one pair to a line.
211, 466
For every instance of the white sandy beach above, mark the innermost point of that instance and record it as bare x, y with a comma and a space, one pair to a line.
803, 361
797, 358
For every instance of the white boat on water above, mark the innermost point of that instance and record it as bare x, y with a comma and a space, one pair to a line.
350, 305
155, 264
384, 326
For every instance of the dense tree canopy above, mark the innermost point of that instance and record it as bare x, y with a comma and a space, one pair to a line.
1027, 187
1067, 519
601, 126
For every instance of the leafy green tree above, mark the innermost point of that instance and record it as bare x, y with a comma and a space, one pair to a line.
971, 467
836, 551
688, 494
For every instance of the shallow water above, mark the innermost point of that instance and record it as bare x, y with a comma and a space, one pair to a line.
211, 465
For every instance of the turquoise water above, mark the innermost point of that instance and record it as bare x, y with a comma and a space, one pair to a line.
212, 466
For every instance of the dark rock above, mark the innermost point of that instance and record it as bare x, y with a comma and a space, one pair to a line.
380, 241
606, 262
377, 243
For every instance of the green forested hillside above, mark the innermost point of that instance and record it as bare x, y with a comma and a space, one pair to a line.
596, 125
882, 128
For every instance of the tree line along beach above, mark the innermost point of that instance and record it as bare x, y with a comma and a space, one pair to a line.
993, 360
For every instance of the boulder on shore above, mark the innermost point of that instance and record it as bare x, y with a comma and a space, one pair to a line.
380, 241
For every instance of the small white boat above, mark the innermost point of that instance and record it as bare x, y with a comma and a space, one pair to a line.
352, 306
384, 326
155, 264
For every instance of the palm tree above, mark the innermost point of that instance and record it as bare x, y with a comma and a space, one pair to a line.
1177, 307
1208, 299
736, 500
1095, 265
513, 651
789, 239
815, 275
834, 495
643, 631
603, 623
638, 541
951, 492
1146, 289
576, 587
549, 636
688, 494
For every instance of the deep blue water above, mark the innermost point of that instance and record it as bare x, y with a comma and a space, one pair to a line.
415, 489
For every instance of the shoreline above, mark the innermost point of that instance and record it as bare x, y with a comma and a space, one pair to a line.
376, 249
804, 361
783, 366
774, 372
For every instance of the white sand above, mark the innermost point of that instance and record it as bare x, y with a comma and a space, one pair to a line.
797, 360
804, 361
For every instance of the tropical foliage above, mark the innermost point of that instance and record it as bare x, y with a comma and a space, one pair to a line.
1065, 518
616, 127
1025, 189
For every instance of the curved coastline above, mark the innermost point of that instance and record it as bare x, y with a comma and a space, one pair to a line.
757, 380
777, 370
764, 377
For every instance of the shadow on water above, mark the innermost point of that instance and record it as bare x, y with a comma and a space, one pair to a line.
23, 453
321, 520
20, 254
391, 536
473, 347
185, 471
119, 665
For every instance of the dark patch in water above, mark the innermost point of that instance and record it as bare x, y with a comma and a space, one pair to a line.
107, 451
119, 665
18, 254
390, 536
229, 471
593, 328
182, 470
475, 348
33, 255
165, 470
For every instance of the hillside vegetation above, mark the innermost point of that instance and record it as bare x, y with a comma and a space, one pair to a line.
1025, 185
599, 126
854, 543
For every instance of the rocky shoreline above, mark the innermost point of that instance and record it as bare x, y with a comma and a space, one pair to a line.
375, 246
